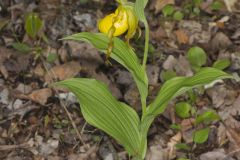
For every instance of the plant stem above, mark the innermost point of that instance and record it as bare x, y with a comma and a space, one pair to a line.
137, 158
146, 44
144, 106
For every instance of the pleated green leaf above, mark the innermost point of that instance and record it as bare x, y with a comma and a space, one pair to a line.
122, 53
177, 86
33, 24
139, 9
103, 111
122, 1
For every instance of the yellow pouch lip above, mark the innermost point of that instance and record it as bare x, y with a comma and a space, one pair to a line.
121, 22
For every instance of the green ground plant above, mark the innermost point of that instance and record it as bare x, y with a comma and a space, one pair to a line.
189, 8
116, 118
34, 30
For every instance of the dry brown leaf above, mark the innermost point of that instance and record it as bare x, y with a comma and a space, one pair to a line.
159, 34
5, 54
87, 55
230, 4
48, 9
233, 136
156, 152
159, 4
89, 154
3, 71
62, 72
39, 71
171, 145
182, 37
40, 96
220, 25
187, 124
220, 42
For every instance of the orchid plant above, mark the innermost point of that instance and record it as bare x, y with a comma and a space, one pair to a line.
100, 108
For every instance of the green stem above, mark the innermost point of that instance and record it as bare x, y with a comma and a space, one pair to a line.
122, 2
146, 44
144, 106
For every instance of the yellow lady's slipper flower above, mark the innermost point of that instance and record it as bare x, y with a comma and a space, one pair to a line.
122, 20
132, 24
118, 20
116, 24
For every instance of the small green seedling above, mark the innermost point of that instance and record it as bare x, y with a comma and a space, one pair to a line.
168, 10
183, 109
197, 57
33, 24
216, 5
207, 117
22, 47
33, 27
52, 57
201, 136
178, 16
203, 120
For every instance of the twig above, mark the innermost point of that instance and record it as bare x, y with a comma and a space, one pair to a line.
51, 75
234, 151
11, 147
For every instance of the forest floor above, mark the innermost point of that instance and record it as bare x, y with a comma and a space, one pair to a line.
34, 124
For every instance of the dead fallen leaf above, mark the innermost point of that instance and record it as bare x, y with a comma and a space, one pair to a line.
220, 25
39, 71
194, 31
131, 96
187, 129
4, 96
89, 154
159, 34
88, 56
5, 54
230, 4
65, 71
156, 152
48, 9
187, 124
234, 137
169, 63
182, 37
218, 154
220, 42
183, 67
159, 4
171, 145
40, 96
153, 72
4, 71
